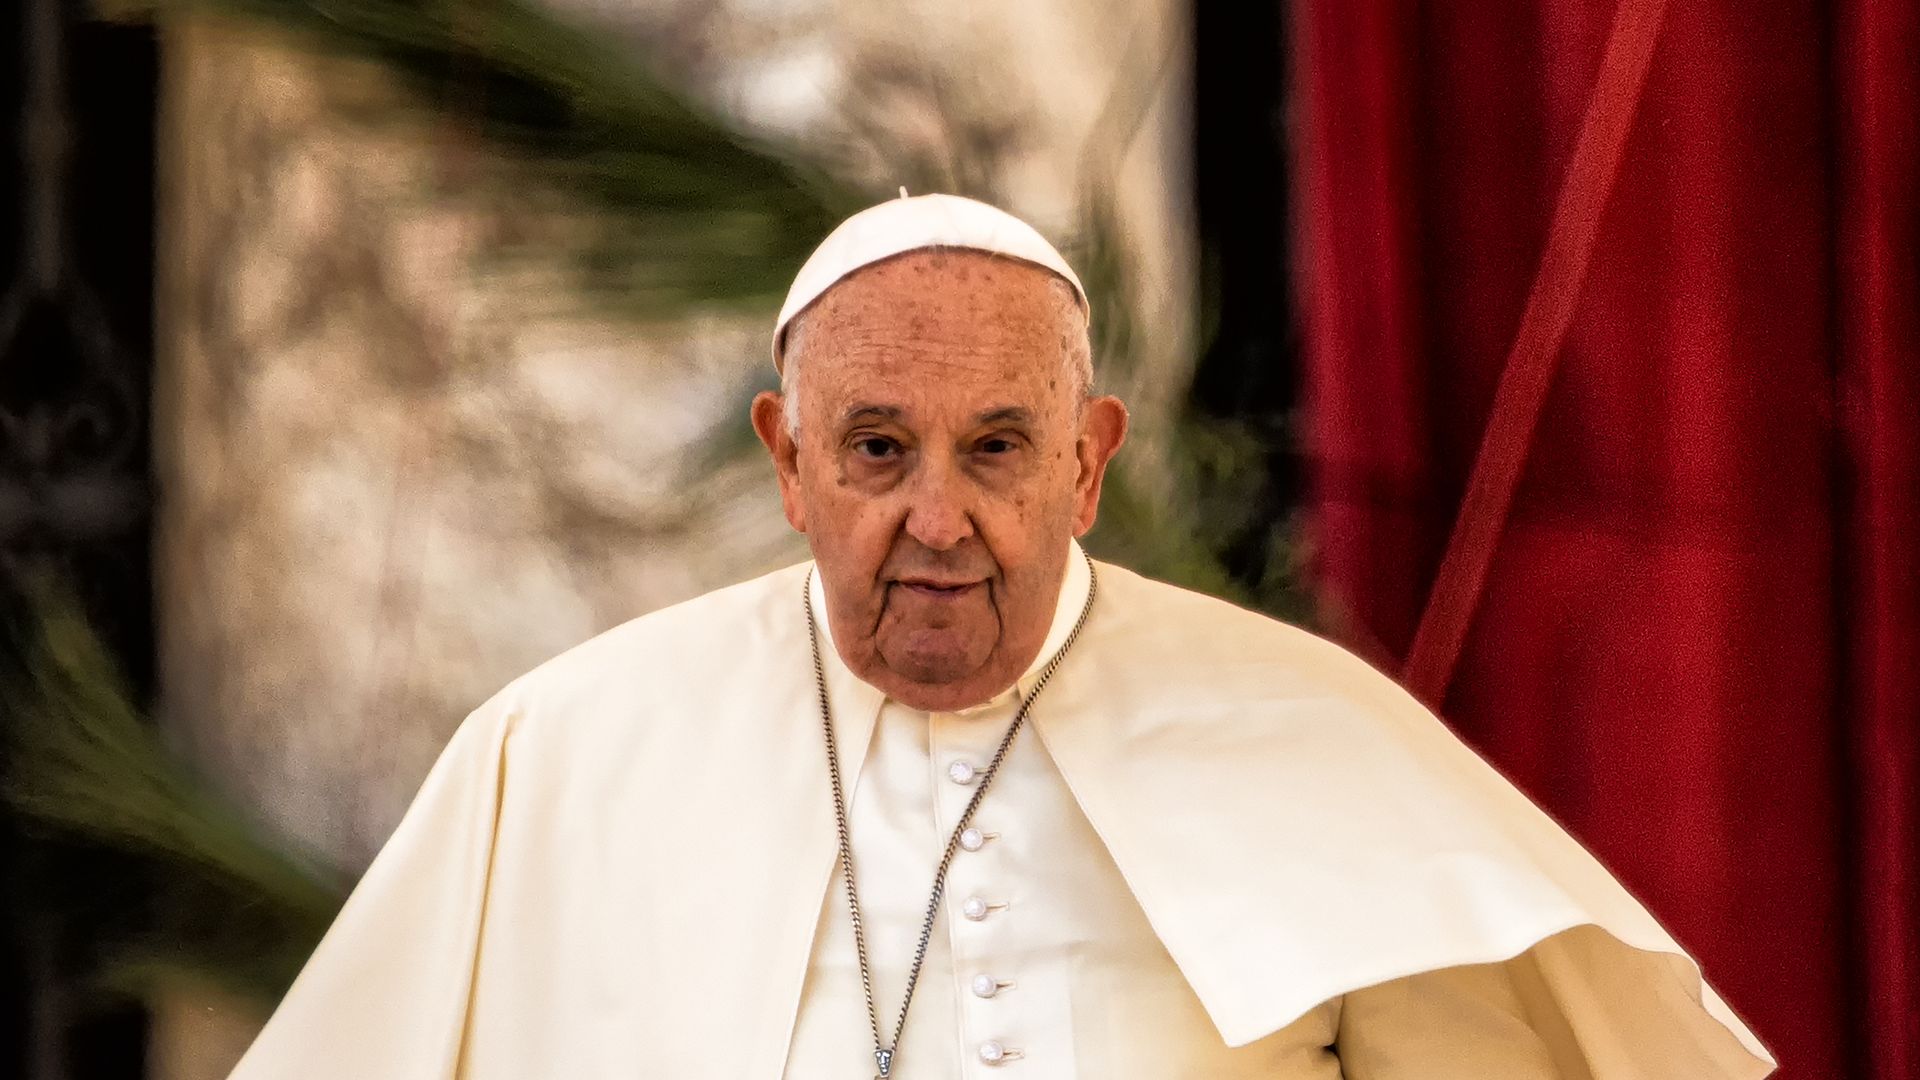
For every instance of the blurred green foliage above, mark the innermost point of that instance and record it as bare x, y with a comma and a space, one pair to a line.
218, 901
685, 208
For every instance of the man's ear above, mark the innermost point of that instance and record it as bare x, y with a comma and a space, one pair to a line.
1104, 429
770, 423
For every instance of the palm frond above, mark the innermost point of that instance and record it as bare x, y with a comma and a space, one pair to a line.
687, 208
87, 770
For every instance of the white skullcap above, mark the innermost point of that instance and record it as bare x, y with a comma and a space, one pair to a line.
910, 222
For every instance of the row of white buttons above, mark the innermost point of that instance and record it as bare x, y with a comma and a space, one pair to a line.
976, 908
961, 772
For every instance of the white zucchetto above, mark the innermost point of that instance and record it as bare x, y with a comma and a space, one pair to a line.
909, 223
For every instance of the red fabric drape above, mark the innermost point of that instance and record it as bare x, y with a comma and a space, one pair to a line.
1698, 639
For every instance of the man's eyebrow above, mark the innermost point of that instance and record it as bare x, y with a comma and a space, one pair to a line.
1006, 414
863, 412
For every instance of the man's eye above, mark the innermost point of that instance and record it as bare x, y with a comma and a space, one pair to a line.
874, 447
997, 445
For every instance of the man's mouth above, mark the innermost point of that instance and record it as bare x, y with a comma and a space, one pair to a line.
934, 589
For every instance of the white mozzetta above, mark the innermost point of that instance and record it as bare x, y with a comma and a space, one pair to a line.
1295, 854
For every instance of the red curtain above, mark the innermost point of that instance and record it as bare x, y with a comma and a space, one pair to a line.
1697, 637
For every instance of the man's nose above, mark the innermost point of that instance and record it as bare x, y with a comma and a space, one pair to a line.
939, 511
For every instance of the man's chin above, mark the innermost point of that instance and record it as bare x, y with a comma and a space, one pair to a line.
936, 681
934, 671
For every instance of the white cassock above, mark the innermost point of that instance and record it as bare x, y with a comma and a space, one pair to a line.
1221, 848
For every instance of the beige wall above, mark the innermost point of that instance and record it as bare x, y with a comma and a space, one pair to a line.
391, 481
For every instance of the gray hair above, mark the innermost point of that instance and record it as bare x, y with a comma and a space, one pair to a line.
1076, 358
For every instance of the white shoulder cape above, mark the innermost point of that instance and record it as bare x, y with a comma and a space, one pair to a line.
616, 867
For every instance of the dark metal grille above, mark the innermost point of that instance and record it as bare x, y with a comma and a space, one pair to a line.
76, 284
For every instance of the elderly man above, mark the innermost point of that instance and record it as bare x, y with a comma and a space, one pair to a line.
954, 800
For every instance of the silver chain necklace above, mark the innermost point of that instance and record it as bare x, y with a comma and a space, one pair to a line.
883, 1051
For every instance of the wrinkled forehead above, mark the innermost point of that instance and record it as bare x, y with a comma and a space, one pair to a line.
941, 331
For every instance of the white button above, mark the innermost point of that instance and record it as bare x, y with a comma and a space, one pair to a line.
992, 1052
985, 986
972, 839
974, 908
960, 772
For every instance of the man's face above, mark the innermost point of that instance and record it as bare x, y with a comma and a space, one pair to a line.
943, 458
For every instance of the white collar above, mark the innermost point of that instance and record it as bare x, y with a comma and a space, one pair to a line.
1074, 587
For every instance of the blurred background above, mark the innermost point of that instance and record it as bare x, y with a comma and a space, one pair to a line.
1562, 357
